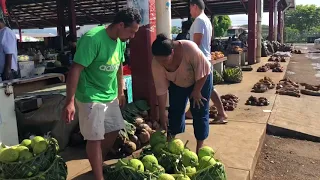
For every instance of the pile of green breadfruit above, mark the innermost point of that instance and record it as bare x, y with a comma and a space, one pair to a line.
33, 159
171, 160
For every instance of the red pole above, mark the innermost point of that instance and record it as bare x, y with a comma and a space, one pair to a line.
252, 14
271, 23
4, 7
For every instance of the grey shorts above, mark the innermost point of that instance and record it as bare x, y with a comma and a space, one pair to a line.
97, 119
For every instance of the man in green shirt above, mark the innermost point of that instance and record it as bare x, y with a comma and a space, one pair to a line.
95, 84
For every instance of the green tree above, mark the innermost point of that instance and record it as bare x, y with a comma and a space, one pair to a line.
292, 35
175, 30
304, 18
221, 25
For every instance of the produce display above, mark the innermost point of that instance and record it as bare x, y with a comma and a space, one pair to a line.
217, 78
137, 131
277, 59
23, 58
296, 51
229, 102
288, 87
217, 55
235, 50
263, 85
254, 101
171, 160
232, 75
32, 159
213, 112
311, 90
275, 67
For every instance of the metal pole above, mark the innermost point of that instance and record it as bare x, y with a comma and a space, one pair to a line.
259, 30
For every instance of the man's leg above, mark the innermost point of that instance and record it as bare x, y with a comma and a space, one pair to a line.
91, 121
113, 124
108, 142
222, 115
201, 116
178, 98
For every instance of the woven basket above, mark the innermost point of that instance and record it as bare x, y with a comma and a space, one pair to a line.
31, 167
57, 171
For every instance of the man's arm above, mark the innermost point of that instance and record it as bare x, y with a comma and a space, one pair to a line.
72, 81
120, 80
197, 38
8, 62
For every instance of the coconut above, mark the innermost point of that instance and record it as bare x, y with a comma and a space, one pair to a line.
136, 164
158, 137
189, 158
205, 151
166, 177
26, 143
176, 146
206, 161
149, 161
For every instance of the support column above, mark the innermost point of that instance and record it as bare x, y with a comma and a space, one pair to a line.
20, 35
259, 29
271, 23
252, 14
61, 22
282, 27
163, 16
279, 21
72, 17
212, 23
141, 55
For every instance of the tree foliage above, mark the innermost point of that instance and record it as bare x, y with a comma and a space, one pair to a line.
221, 24
304, 18
175, 30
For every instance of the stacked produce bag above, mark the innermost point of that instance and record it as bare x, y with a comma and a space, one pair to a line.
171, 160
32, 159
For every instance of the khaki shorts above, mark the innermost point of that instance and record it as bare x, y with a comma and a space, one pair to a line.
97, 119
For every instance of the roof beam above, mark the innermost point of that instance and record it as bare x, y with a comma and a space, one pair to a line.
206, 5
37, 16
86, 14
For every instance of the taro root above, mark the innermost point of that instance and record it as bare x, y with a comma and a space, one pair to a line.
129, 147
144, 136
138, 121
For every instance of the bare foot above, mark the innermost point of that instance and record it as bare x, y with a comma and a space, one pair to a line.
220, 119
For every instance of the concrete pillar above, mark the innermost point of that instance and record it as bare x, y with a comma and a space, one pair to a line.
163, 14
271, 23
280, 21
72, 17
282, 27
141, 55
259, 29
252, 14
275, 19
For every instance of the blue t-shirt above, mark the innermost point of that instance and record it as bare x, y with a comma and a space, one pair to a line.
203, 26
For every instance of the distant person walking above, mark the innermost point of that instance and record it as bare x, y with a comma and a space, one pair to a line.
201, 34
184, 35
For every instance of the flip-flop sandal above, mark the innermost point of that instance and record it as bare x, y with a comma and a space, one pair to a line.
221, 121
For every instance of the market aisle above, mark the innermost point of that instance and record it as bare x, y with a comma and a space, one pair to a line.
237, 143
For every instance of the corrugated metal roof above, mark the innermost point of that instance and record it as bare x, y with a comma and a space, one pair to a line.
43, 13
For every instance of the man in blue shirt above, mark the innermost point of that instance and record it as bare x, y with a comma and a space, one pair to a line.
201, 34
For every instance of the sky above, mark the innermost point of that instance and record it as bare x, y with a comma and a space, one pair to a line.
240, 19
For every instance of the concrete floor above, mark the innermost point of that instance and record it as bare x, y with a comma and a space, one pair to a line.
237, 143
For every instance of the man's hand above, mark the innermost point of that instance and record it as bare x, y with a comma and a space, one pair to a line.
7, 74
122, 100
197, 99
68, 112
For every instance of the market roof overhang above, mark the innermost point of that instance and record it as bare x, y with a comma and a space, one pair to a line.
43, 13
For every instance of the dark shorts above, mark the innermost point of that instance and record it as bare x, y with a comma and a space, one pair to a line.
178, 98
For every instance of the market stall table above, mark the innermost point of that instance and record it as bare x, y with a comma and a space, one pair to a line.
218, 64
23, 85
